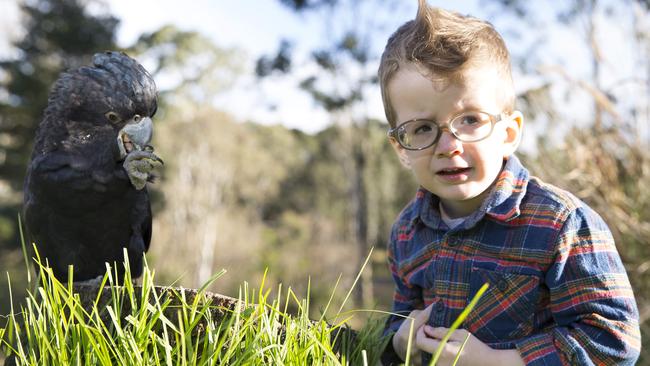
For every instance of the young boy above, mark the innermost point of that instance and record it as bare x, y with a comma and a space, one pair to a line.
558, 293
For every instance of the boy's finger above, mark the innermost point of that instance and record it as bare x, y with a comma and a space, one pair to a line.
411, 320
424, 343
439, 333
432, 332
418, 318
414, 314
423, 316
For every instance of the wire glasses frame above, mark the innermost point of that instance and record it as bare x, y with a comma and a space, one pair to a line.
420, 134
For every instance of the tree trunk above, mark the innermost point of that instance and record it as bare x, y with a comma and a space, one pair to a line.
364, 293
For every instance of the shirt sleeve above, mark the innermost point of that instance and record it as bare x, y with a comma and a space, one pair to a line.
591, 301
406, 297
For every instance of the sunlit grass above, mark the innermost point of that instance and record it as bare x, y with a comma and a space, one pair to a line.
141, 325
148, 325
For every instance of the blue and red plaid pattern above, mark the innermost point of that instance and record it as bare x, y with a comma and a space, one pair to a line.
558, 290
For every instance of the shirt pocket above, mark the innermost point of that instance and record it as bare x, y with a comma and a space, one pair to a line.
506, 310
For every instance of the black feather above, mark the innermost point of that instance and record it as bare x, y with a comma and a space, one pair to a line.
79, 205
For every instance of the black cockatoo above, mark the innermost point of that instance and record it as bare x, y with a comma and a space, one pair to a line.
85, 195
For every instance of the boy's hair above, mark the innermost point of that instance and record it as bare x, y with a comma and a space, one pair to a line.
444, 44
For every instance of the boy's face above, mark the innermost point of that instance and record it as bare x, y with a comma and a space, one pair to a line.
460, 173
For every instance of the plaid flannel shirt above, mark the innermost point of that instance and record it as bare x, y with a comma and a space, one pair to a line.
558, 290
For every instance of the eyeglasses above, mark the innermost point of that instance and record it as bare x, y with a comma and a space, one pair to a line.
419, 134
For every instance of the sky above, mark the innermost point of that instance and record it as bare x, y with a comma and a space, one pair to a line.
257, 26
253, 26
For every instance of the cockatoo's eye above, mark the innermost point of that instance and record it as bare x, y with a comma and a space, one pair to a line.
113, 117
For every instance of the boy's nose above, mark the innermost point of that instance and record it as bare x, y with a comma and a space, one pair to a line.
448, 144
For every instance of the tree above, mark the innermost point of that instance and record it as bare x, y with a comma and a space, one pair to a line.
193, 68
59, 35
340, 86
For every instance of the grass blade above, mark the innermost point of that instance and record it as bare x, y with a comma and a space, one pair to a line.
458, 322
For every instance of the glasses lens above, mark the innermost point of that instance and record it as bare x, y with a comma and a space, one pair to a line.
471, 126
417, 134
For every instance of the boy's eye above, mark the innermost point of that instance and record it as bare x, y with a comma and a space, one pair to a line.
422, 129
470, 119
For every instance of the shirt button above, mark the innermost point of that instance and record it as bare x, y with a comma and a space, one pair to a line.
440, 306
452, 242
502, 285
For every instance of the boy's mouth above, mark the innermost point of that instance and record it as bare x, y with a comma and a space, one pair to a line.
452, 171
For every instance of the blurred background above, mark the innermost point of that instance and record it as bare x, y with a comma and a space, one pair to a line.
273, 134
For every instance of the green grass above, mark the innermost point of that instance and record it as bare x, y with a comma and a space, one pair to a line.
140, 325
144, 325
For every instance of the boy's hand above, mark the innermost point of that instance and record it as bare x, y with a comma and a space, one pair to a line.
400, 339
475, 352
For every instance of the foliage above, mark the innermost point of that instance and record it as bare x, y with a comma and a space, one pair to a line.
339, 83
306, 4
343, 71
59, 35
293, 220
186, 64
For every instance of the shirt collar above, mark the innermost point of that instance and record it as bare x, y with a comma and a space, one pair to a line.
502, 204
509, 190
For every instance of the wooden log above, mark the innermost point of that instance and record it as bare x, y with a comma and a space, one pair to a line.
221, 306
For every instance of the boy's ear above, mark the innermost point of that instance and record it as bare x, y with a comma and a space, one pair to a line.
401, 153
514, 127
